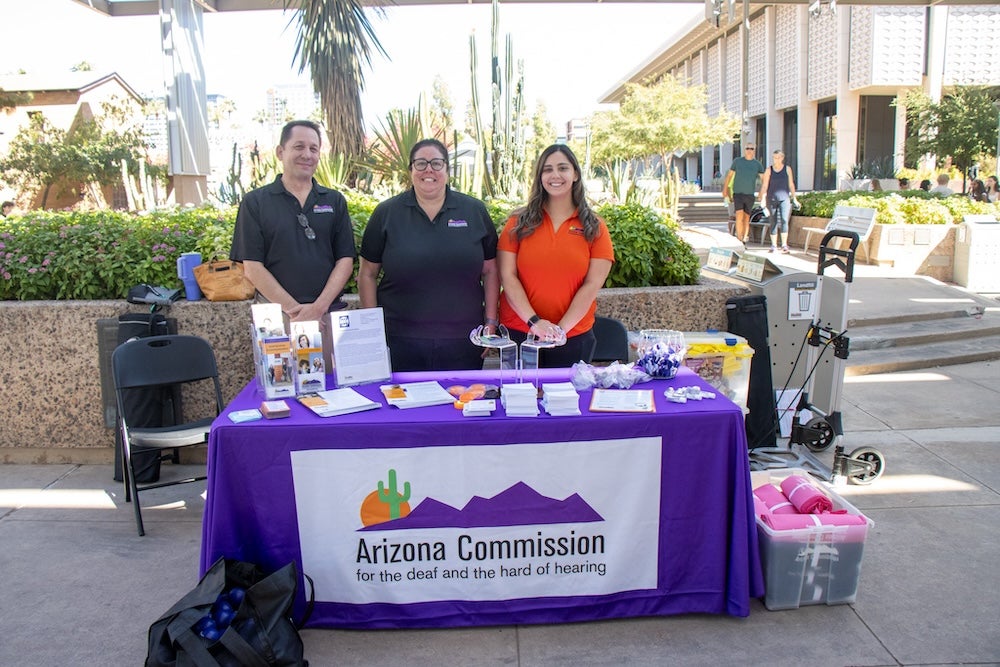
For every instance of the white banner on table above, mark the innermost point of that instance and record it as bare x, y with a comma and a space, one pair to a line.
479, 522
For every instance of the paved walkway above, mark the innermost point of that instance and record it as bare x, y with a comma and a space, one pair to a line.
79, 587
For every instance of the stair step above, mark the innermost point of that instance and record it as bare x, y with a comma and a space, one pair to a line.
915, 357
922, 332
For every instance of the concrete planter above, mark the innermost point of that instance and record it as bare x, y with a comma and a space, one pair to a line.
51, 389
923, 250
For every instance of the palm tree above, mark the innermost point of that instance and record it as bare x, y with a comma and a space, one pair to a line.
334, 41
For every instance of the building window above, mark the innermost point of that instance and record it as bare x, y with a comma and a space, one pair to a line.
790, 139
826, 146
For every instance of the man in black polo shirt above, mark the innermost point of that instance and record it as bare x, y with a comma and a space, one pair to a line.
294, 236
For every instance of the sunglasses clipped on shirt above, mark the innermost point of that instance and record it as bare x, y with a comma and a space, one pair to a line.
304, 224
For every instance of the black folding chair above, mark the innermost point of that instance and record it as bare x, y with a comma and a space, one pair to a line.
153, 362
612, 340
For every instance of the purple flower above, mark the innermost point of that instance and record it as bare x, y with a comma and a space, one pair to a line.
32, 270
46, 261
6, 276
23, 259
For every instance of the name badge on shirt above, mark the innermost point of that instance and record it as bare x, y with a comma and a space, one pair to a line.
573, 229
457, 223
322, 208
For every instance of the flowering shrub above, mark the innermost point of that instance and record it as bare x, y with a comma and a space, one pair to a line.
102, 254
914, 207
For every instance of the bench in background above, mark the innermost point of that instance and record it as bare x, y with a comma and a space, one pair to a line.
855, 219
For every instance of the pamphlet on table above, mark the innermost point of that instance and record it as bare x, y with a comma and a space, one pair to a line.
333, 402
416, 394
622, 400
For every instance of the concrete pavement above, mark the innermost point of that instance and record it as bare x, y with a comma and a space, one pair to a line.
79, 587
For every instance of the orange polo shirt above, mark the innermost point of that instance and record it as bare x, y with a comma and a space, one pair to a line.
551, 266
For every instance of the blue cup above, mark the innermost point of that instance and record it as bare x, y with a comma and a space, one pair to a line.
191, 289
185, 271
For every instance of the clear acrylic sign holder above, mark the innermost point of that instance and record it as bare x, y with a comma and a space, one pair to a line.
501, 342
530, 357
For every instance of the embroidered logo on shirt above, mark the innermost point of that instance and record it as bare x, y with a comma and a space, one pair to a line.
573, 229
457, 223
322, 208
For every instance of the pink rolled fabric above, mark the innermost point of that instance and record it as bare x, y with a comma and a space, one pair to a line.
776, 501
795, 521
806, 498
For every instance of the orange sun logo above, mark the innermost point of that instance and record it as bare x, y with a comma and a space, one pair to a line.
384, 504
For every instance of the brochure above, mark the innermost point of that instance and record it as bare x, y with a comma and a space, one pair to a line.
337, 402
307, 344
622, 400
272, 351
416, 394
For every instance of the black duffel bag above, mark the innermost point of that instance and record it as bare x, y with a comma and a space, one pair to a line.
261, 632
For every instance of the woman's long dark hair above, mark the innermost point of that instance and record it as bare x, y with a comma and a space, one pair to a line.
529, 217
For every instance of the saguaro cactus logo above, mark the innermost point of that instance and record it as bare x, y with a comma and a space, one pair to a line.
386, 502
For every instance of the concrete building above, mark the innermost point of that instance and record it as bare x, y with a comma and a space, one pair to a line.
821, 81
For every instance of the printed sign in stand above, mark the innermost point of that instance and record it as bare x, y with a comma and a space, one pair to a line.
360, 353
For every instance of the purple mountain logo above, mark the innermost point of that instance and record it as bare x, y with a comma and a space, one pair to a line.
517, 506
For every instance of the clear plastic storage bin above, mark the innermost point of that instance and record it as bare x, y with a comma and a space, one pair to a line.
807, 566
723, 360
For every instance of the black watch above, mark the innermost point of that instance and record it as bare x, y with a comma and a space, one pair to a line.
533, 320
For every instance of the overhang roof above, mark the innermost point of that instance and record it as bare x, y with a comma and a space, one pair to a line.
48, 82
148, 7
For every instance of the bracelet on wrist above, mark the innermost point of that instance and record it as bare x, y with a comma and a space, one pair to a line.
533, 320
492, 321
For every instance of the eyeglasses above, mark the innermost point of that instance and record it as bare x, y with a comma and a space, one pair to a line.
749, 148
420, 164
304, 224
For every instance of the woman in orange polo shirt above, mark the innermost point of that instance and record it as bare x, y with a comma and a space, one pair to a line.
554, 256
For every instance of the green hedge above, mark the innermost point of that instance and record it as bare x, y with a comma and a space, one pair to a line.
100, 255
914, 207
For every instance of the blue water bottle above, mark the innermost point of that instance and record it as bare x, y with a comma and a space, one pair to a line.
185, 271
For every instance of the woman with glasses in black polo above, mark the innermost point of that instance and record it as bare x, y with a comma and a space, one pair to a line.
428, 258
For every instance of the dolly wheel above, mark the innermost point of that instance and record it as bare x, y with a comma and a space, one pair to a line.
823, 436
859, 475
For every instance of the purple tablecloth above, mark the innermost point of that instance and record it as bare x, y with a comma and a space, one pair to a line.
704, 539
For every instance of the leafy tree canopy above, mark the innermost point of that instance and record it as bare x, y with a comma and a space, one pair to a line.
962, 126
659, 119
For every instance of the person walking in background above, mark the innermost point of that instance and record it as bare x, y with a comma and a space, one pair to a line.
294, 236
6, 209
554, 256
742, 176
925, 185
992, 189
436, 252
904, 183
777, 192
942, 186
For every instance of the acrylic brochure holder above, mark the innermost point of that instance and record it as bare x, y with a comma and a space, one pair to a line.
272, 352
532, 350
501, 342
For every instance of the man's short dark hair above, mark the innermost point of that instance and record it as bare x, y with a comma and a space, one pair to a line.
286, 131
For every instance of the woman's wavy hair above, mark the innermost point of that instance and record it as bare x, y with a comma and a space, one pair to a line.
530, 216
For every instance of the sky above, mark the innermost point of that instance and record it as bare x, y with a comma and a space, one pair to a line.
572, 52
